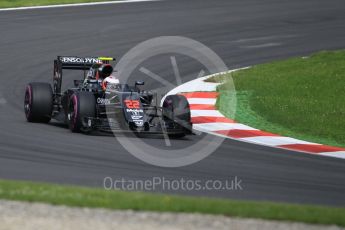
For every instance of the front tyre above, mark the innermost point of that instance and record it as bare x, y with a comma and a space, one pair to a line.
176, 111
81, 106
38, 102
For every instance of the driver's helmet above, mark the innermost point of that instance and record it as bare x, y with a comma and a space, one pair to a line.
104, 71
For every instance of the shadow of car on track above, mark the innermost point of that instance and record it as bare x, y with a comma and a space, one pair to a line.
118, 133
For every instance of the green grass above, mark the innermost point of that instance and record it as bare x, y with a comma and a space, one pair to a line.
20, 3
99, 198
298, 97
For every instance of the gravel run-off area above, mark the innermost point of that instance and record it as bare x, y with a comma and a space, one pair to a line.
37, 216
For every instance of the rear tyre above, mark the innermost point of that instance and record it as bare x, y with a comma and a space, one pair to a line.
81, 105
38, 102
176, 110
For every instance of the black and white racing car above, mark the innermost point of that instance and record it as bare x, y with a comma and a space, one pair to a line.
93, 105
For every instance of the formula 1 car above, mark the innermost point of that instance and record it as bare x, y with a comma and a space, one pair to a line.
90, 105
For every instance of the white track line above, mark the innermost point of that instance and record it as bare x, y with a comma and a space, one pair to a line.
265, 45
75, 4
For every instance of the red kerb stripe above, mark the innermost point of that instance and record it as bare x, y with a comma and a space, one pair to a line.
205, 119
240, 133
200, 95
312, 148
201, 107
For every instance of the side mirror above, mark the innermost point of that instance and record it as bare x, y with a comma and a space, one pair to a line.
139, 83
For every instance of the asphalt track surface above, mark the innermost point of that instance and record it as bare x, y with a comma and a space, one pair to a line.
241, 32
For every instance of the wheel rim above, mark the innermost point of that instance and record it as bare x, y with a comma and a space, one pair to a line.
27, 102
72, 112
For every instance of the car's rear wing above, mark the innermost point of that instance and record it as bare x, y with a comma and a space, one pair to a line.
74, 63
80, 63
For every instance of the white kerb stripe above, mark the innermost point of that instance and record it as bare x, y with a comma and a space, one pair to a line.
209, 113
216, 126
202, 101
338, 154
199, 84
274, 141
195, 85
